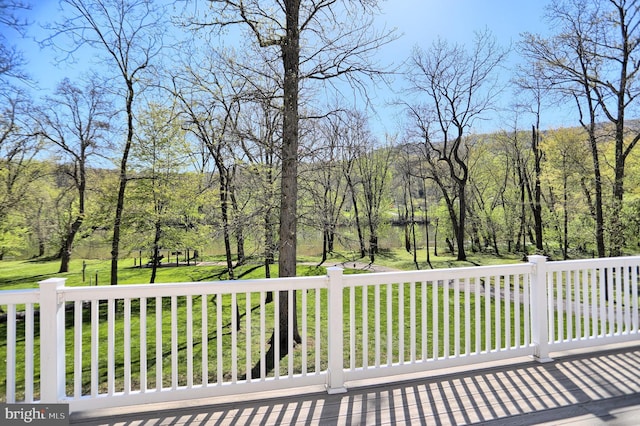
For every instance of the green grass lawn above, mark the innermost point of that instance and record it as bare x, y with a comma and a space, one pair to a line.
26, 274
389, 350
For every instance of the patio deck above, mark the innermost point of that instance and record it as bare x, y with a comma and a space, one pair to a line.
578, 388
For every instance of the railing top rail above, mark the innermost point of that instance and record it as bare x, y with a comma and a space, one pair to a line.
593, 263
192, 288
31, 295
437, 274
300, 283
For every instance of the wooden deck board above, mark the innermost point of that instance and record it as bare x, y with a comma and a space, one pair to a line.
577, 389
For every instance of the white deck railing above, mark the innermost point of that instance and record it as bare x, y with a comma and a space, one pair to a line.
96, 347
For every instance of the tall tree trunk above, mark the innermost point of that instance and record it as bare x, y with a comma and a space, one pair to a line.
238, 226
65, 257
325, 245
65, 254
290, 47
373, 247
426, 230
590, 128
598, 203
617, 227
268, 235
413, 231
117, 221
332, 239
242, 258
268, 243
565, 245
408, 229
521, 242
224, 211
537, 192
406, 225
462, 203
373, 236
494, 239
435, 237
289, 182
156, 252
356, 214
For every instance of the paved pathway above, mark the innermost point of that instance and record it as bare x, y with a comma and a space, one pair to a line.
590, 388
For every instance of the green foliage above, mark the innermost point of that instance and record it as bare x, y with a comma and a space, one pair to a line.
13, 237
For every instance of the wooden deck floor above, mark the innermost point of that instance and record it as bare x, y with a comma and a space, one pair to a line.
576, 389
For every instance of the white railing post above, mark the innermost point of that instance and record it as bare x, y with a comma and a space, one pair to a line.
52, 350
539, 308
335, 381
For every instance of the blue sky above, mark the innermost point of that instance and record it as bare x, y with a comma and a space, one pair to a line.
422, 21
456, 20
419, 21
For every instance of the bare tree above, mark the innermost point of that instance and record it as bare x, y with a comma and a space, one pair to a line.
460, 87
17, 144
330, 50
414, 169
355, 142
14, 147
530, 81
516, 223
211, 114
373, 169
409, 180
312, 42
18, 148
325, 182
75, 121
259, 134
433, 169
11, 59
129, 34
593, 58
